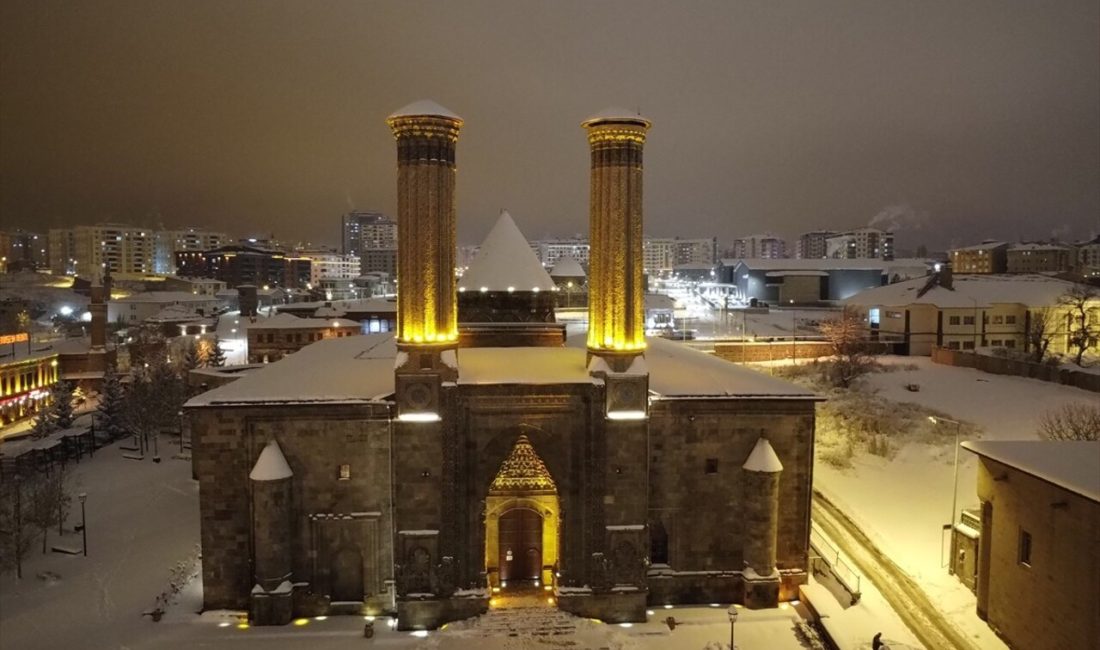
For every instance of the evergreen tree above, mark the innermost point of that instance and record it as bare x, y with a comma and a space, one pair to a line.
191, 357
43, 423
110, 415
217, 357
62, 394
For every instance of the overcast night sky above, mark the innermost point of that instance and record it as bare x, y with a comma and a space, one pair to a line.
968, 119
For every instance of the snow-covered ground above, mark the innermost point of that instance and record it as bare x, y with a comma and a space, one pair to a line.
903, 502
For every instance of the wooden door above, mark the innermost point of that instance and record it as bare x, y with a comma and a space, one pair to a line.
520, 545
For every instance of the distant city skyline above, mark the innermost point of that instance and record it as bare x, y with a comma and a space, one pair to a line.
946, 122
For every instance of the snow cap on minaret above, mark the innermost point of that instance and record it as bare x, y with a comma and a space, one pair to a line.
271, 465
506, 262
763, 458
615, 114
425, 108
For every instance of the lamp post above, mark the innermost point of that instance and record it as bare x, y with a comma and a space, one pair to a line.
732, 613
179, 415
955, 489
83, 496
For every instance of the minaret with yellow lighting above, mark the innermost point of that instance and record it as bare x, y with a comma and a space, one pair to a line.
427, 316
616, 317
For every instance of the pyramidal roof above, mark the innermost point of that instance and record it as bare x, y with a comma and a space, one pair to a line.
271, 465
506, 262
567, 267
522, 471
425, 107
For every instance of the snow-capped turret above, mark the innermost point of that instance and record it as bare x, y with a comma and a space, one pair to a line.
271, 491
760, 514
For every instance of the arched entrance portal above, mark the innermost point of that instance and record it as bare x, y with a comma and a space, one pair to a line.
522, 521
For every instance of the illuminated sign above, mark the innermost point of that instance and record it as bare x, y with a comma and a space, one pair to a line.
14, 338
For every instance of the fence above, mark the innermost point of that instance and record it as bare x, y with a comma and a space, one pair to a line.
829, 555
1004, 366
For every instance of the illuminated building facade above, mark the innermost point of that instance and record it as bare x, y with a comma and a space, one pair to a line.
25, 378
424, 474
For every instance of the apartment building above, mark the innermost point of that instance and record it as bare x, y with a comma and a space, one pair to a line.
986, 257
1038, 258
766, 246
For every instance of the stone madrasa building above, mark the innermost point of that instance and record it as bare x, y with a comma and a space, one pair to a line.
423, 471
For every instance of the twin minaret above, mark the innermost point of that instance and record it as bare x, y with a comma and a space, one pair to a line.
427, 322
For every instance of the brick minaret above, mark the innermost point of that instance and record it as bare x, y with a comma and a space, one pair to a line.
616, 318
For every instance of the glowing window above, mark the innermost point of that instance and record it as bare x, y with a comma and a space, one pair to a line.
345, 472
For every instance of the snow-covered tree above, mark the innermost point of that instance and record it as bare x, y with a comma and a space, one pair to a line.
153, 400
852, 357
217, 356
62, 396
191, 357
1041, 328
44, 423
17, 532
1083, 327
110, 414
45, 496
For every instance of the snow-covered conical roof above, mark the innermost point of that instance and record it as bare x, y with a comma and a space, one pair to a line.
505, 262
567, 267
425, 107
271, 465
616, 114
763, 458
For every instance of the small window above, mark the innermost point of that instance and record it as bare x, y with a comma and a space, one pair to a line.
998, 320
1024, 554
711, 466
345, 472
952, 320
968, 320
968, 345
953, 345
997, 343
1010, 320
1010, 343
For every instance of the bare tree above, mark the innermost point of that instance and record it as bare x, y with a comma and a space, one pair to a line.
17, 533
1073, 421
1042, 325
851, 352
1082, 329
46, 500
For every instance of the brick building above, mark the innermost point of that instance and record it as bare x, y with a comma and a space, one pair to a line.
273, 338
420, 472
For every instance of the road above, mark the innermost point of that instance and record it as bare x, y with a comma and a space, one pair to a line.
903, 594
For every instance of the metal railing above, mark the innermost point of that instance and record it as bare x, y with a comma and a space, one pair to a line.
829, 554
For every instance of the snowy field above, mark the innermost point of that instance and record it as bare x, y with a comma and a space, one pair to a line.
903, 502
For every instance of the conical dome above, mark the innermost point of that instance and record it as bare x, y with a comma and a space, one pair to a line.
506, 262
523, 471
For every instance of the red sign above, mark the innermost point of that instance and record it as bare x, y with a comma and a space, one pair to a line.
14, 338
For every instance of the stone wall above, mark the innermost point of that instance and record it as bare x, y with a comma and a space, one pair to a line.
747, 352
342, 530
1052, 603
697, 448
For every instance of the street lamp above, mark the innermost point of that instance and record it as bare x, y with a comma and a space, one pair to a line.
955, 489
732, 613
83, 496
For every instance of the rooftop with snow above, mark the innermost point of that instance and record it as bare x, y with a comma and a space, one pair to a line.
977, 290
1070, 464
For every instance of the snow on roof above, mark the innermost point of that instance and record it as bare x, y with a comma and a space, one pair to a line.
352, 305
352, 369
290, 321
974, 291
807, 273
763, 458
615, 114
659, 301
522, 366
165, 297
505, 262
1037, 247
271, 465
1070, 464
984, 246
425, 107
830, 264
567, 267
174, 314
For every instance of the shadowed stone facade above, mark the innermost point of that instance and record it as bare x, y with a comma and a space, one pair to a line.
656, 474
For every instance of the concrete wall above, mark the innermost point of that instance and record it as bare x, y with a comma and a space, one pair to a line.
1053, 603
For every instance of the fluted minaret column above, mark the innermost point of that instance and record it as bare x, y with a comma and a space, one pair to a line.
426, 135
616, 317
760, 503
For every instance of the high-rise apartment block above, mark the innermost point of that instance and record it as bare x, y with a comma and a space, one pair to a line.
372, 236
861, 244
986, 257
170, 242
329, 265
812, 246
94, 250
662, 254
23, 250
766, 246
550, 250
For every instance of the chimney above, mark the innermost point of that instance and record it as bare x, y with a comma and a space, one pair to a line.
98, 309
946, 276
616, 317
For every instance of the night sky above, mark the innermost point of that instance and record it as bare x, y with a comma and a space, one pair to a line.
959, 120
